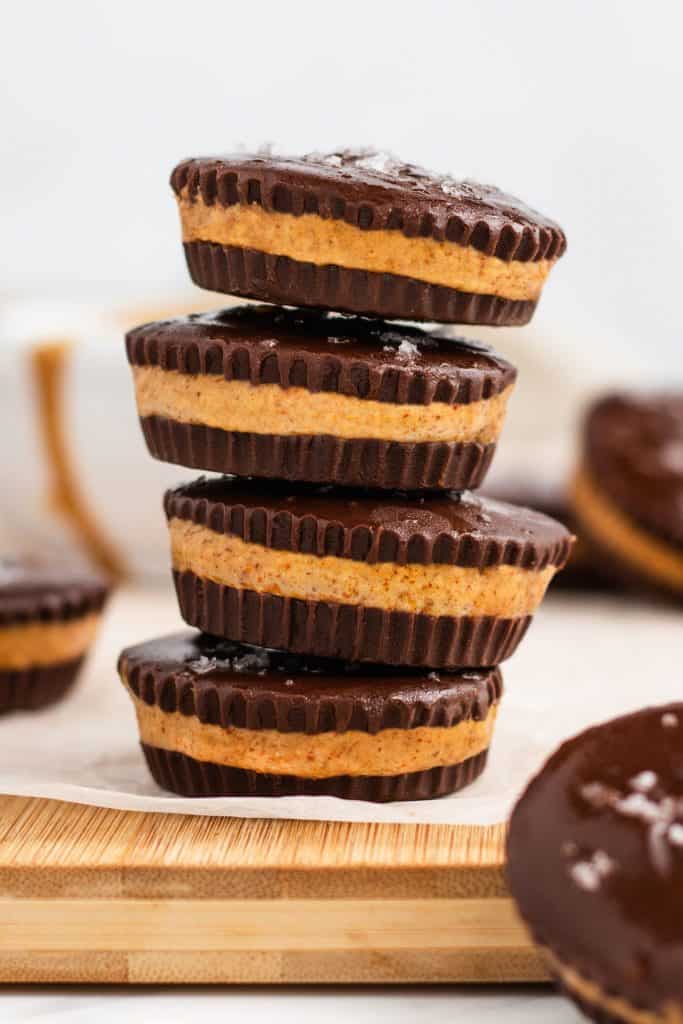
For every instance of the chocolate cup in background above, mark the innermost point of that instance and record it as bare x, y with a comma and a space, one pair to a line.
49, 616
446, 580
304, 396
595, 865
628, 490
583, 571
29, 689
363, 233
218, 718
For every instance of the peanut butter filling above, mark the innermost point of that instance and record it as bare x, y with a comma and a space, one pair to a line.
587, 990
653, 558
271, 409
313, 239
318, 756
501, 590
46, 643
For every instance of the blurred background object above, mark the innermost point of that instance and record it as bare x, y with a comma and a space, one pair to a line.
572, 108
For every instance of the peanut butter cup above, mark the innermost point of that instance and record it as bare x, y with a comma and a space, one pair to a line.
440, 579
218, 718
595, 863
362, 232
48, 619
305, 396
628, 492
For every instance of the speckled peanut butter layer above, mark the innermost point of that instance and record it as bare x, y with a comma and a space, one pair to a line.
235, 405
432, 589
312, 239
45, 643
650, 556
319, 756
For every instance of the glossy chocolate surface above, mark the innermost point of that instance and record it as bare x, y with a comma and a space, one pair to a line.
633, 447
448, 528
376, 191
350, 355
238, 684
596, 855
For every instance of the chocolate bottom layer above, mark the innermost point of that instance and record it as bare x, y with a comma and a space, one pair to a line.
352, 462
189, 777
350, 632
32, 688
280, 279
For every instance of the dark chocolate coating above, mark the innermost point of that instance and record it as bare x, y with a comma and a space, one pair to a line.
319, 458
189, 777
449, 528
595, 856
366, 359
272, 278
353, 632
633, 450
375, 191
28, 689
585, 569
33, 591
233, 684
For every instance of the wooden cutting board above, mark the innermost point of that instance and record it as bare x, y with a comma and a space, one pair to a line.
95, 895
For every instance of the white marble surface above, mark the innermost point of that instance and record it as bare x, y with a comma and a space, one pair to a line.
429, 1005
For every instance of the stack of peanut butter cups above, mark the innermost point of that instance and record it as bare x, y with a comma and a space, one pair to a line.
351, 597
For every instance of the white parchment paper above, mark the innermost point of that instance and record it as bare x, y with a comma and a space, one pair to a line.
583, 660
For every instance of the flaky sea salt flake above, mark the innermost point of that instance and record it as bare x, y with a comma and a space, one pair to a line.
644, 781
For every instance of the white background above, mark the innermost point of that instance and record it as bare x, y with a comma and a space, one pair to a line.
574, 106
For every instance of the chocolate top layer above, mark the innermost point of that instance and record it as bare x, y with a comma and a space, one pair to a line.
449, 528
34, 591
596, 855
375, 191
324, 352
233, 684
633, 447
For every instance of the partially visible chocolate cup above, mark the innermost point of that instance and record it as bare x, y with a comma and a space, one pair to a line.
441, 580
223, 719
628, 491
582, 571
48, 620
595, 864
303, 396
363, 233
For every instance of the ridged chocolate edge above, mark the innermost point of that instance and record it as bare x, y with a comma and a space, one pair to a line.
350, 632
279, 279
508, 241
53, 607
173, 690
189, 777
350, 462
161, 344
32, 688
282, 530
